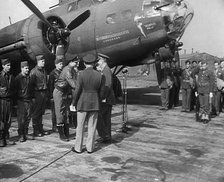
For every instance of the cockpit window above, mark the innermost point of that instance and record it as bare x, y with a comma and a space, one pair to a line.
72, 6
111, 18
126, 15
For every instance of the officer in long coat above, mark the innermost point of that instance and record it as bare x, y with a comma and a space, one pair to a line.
53, 77
6, 102
206, 84
24, 103
87, 96
104, 119
65, 84
39, 89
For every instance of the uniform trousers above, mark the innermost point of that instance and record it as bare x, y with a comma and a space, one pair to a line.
23, 116
5, 117
38, 109
91, 118
165, 92
204, 103
186, 98
104, 121
53, 114
61, 106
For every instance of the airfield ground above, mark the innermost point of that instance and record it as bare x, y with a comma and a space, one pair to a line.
166, 146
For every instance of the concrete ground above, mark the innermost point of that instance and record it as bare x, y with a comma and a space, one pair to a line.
166, 146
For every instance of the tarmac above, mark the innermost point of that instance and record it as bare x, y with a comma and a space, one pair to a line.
162, 146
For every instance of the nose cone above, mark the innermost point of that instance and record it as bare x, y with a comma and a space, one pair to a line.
177, 16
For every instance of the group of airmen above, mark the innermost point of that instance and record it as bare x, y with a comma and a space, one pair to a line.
202, 88
88, 93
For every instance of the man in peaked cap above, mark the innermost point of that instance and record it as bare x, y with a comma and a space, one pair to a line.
23, 94
104, 119
65, 86
87, 96
6, 101
53, 77
38, 84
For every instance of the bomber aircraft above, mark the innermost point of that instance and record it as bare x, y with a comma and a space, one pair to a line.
130, 32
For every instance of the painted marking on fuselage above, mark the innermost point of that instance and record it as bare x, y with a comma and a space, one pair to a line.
112, 37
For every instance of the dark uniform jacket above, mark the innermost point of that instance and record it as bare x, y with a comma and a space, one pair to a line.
67, 80
175, 75
38, 79
6, 85
53, 77
166, 79
206, 81
89, 91
22, 85
109, 93
186, 79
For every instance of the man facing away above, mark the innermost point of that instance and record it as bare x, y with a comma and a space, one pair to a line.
22, 84
63, 87
39, 90
53, 77
87, 96
6, 102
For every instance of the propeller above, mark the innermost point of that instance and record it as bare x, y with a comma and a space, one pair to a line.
60, 34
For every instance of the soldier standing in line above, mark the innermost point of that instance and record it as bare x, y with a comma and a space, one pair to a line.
174, 91
87, 96
38, 84
186, 85
165, 86
53, 77
206, 82
22, 85
104, 118
194, 65
222, 78
65, 85
217, 91
6, 102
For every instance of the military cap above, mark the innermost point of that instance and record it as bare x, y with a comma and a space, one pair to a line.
89, 58
40, 57
5, 61
59, 59
103, 56
24, 64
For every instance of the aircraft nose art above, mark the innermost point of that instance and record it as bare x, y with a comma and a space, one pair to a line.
177, 16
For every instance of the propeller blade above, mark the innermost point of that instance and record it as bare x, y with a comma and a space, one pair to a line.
79, 20
36, 11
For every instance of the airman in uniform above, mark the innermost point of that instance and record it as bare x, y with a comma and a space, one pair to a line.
6, 102
87, 96
165, 86
206, 82
24, 103
186, 84
39, 89
217, 92
53, 77
104, 118
66, 83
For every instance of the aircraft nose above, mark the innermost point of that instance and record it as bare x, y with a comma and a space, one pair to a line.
177, 17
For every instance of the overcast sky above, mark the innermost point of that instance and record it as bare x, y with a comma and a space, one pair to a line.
204, 34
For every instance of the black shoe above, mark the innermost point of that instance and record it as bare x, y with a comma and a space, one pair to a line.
205, 121
37, 135
10, 142
183, 110
22, 139
73, 150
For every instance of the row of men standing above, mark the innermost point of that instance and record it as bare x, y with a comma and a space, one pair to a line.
32, 92
199, 88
